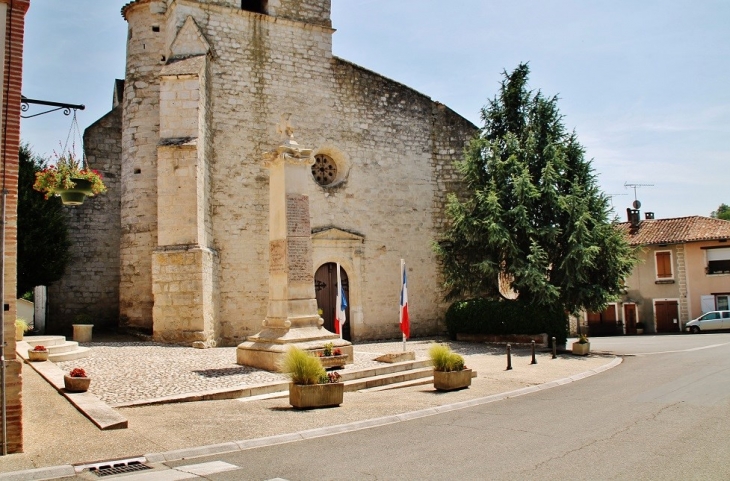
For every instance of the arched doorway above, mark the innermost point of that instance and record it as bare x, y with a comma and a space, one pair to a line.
325, 287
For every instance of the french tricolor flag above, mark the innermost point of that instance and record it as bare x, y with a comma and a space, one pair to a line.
341, 305
405, 325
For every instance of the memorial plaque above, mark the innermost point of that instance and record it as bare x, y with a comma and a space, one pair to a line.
297, 216
277, 255
299, 255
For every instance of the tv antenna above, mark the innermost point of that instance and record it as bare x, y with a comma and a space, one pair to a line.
611, 196
636, 203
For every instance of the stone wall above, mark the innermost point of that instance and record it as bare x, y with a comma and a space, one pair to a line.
393, 148
91, 283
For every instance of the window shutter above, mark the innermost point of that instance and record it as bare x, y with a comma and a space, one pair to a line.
663, 265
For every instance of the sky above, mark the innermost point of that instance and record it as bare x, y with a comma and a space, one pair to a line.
645, 85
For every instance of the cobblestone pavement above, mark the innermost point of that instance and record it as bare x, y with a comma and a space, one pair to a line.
124, 372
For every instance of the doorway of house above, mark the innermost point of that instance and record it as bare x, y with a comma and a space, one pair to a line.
666, 312
325, 287
630, 318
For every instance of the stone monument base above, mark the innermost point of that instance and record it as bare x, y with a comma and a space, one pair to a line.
266, 349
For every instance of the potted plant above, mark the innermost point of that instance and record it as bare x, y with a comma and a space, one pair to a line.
449, 371
76, 380
38, 353
331, 357
581, 347
70, 179
21, 327
311, 386
639, 327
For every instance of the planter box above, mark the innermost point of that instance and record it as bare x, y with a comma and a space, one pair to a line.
581, 349
37, 356
76, 384
82, 332
330, 362
310, 396
450, 381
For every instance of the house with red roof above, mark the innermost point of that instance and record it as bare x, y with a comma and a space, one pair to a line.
683, 271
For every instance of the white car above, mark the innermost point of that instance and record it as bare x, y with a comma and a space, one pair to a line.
710, 321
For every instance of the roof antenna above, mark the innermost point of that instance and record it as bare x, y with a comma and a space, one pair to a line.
636, 203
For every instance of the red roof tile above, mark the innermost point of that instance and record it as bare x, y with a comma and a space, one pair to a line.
676, 231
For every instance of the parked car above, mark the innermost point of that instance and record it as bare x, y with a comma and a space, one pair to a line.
710, 321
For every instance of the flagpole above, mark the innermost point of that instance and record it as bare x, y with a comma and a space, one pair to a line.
338, 301
402, 270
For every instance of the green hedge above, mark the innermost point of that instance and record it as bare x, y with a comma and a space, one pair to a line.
484, 316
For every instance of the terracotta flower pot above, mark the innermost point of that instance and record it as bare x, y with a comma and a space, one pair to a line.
76, 384
37, 356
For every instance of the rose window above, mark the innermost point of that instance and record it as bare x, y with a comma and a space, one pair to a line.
324, 170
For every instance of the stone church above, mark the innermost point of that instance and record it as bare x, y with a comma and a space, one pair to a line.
178, 247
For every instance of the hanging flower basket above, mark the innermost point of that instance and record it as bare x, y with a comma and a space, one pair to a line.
69, 180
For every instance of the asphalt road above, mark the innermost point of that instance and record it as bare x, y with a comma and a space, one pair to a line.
662, 414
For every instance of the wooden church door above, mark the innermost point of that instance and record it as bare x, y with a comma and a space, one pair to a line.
325, 287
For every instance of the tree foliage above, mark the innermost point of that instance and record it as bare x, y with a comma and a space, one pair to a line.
722, 212
43, 244
532, 213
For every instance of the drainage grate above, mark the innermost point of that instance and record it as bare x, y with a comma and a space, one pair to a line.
111, 468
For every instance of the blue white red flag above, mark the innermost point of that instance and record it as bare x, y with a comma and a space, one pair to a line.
405, 325
341, 305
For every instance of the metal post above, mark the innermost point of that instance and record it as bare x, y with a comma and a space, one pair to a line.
555, 348
509, 357
534, 361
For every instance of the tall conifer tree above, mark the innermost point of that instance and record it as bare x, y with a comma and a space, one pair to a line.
532, 214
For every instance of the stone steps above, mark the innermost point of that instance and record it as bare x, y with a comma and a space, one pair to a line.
369, 378
59, 349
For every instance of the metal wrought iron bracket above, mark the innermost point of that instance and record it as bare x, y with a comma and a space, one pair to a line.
25, 103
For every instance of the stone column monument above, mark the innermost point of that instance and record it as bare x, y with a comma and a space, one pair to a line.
292, 318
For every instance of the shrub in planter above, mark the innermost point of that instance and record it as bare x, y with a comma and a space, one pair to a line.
311, 386
450, 372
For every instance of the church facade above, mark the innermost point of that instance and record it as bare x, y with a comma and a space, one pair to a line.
179, 245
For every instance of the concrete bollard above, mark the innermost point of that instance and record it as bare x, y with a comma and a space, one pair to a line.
509, 357
534, 361
555, 348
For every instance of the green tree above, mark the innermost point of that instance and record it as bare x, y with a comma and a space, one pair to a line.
532, 217
43, 244
722, 212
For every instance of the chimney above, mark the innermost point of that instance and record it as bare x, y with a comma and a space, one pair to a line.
633, 215
649, 215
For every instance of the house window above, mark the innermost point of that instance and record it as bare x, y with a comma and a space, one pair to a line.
718, 261
663, 265
255, 6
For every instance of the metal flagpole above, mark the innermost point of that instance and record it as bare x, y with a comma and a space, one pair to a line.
338, 301
402, 287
